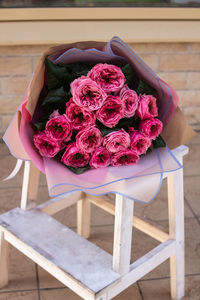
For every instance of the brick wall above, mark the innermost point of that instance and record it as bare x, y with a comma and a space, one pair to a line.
176, 63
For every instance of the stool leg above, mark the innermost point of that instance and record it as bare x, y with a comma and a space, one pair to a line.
33, 183
84, 217
29, 186
122, 234
3, 260
24, 195
176, 231
103, 297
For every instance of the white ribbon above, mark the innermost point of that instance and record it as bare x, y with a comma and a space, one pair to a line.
15, 171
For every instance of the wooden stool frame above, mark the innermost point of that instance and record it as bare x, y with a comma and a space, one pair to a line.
121, 273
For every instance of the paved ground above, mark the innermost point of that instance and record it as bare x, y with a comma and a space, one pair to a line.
30, 282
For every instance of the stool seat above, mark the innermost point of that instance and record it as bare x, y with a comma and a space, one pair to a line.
57, 246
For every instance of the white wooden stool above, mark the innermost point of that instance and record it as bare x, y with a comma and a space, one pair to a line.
86, 269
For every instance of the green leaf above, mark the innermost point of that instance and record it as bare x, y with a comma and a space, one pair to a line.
148, 151
40, 125
129, 75
105, 130
63, 74
144, 88
78, 170
159, 142
78, 69
56, 97
128, 122
57, 75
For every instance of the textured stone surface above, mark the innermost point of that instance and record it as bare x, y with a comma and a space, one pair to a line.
192, 114
6, 119
195, 140
193, 80
67, 294
33, 295
161, 47
28, 50
192, 193
180, 62
192, 161
157, 209
176, 79
151, 60
189, 98
9, 103
160, 289
14, 85
15, 66
194, 47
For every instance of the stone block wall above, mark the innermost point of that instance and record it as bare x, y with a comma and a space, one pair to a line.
176, 63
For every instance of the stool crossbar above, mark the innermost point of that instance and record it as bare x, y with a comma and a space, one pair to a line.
88, 270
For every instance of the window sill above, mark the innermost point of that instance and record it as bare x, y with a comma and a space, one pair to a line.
60, 25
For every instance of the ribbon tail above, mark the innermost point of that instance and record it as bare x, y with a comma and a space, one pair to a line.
15, 171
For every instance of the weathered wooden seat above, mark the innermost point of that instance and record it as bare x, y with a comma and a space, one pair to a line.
54, 246
88, 270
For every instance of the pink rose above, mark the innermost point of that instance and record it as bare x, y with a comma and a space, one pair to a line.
109, 77
147, 107
100, 158
117, 140
111, 111
139, 142
151, 128
75, 157
89, 139
59, 128
79, 117
87, 93
55, 113
47, 146
124, 158
130, 99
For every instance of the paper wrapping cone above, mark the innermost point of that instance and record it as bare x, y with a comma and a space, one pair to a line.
177, 131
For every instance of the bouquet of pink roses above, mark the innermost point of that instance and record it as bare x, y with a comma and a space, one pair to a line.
96, 116
98, 106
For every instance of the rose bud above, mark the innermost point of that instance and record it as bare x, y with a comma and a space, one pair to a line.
139, 142
116, 141
100, 158
109, 77
130, 100
111, 111
59, 128
147, 107
75, 157
47, 146
79, 117
89, 139
87, 93
124, 158
151, 128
